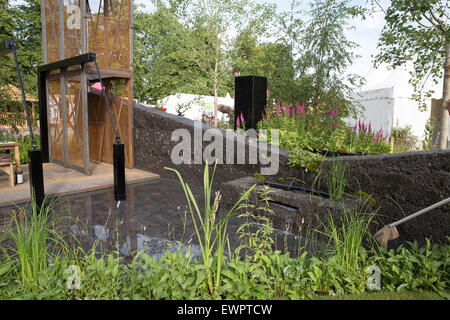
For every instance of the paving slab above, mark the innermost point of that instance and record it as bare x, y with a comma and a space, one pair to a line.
60, 181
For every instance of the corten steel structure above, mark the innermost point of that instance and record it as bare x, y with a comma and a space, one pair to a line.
76, 130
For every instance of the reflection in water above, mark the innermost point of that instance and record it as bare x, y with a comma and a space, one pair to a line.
153, 219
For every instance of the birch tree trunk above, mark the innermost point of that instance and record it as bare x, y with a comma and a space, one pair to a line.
443, 134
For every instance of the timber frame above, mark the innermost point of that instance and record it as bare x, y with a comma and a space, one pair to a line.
73, 115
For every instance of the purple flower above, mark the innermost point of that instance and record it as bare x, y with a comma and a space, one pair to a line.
354, 129
335, 125
331, 113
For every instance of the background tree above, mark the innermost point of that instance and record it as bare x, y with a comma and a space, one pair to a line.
326, 53
21, 22
419, 31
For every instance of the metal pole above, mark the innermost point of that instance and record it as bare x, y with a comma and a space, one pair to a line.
118, 150
13, 48
106, 99
35, 156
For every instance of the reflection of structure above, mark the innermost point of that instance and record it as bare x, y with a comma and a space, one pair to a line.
78, 128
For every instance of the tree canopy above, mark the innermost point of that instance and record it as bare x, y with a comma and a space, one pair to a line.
419, 31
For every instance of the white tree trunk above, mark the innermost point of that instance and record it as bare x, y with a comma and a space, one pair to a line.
443, 134
216, 89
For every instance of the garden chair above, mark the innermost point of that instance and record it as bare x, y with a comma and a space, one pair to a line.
7, 165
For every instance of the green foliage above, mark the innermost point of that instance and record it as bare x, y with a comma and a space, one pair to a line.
362, 194
299, 158
258, 176
307, 131
430, 129
417, 31
21, 22
335, 177
212, 235
258, 242
404, 140
327, 53
413, 268
31, 270
346, 235
7, 134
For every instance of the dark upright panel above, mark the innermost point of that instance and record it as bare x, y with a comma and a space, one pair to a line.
250, 99
36, 176
119, 172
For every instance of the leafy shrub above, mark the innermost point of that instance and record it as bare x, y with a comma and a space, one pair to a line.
302, 130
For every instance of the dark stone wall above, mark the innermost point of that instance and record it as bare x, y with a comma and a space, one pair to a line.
401, 184
153, 147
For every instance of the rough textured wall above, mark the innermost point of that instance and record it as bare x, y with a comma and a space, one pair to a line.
153, 147
401, 184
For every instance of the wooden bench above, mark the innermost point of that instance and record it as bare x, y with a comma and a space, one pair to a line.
7, 165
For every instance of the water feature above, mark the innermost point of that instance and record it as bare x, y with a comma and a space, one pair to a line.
154, 218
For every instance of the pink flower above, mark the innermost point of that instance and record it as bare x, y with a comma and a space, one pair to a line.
242, 118
238, 124
331, 113
237, 74
302, 110
335, 125
354, 129
287, 110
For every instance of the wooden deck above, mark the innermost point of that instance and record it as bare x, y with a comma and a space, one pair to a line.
61, 181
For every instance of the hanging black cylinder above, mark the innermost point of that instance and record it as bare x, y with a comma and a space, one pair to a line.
119, 172
36, 176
